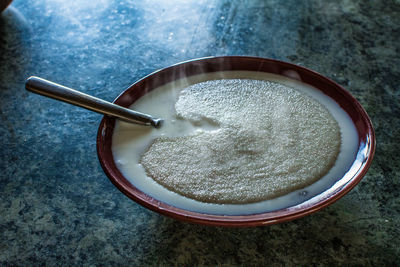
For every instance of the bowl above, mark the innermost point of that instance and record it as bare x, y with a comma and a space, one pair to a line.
4, 4
364, 147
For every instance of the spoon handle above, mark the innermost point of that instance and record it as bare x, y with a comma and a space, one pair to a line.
46, 88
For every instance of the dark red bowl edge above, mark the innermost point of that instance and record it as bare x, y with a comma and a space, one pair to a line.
217, 220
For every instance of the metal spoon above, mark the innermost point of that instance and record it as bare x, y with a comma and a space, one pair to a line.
46, 88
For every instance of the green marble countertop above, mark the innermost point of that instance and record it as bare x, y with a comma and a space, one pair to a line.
57, 207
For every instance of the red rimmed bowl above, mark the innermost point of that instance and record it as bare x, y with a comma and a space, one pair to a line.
363, 156
4, 4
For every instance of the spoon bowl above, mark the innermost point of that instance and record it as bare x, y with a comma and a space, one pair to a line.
365, 144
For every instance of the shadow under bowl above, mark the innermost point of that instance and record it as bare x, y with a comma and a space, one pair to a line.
362, 123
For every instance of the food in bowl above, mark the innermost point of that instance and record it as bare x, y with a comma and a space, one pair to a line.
355, 156
235, 141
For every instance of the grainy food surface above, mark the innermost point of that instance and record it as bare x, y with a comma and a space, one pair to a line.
271, 139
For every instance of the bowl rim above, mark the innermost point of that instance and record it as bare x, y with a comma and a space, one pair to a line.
364, 156
4, 5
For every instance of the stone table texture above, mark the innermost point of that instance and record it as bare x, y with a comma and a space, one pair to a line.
57, 207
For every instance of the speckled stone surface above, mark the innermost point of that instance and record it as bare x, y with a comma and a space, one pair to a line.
57, 207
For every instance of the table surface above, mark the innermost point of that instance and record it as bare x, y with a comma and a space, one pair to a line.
58, 207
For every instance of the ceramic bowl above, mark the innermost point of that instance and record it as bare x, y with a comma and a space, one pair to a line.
4, 4
362, 160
